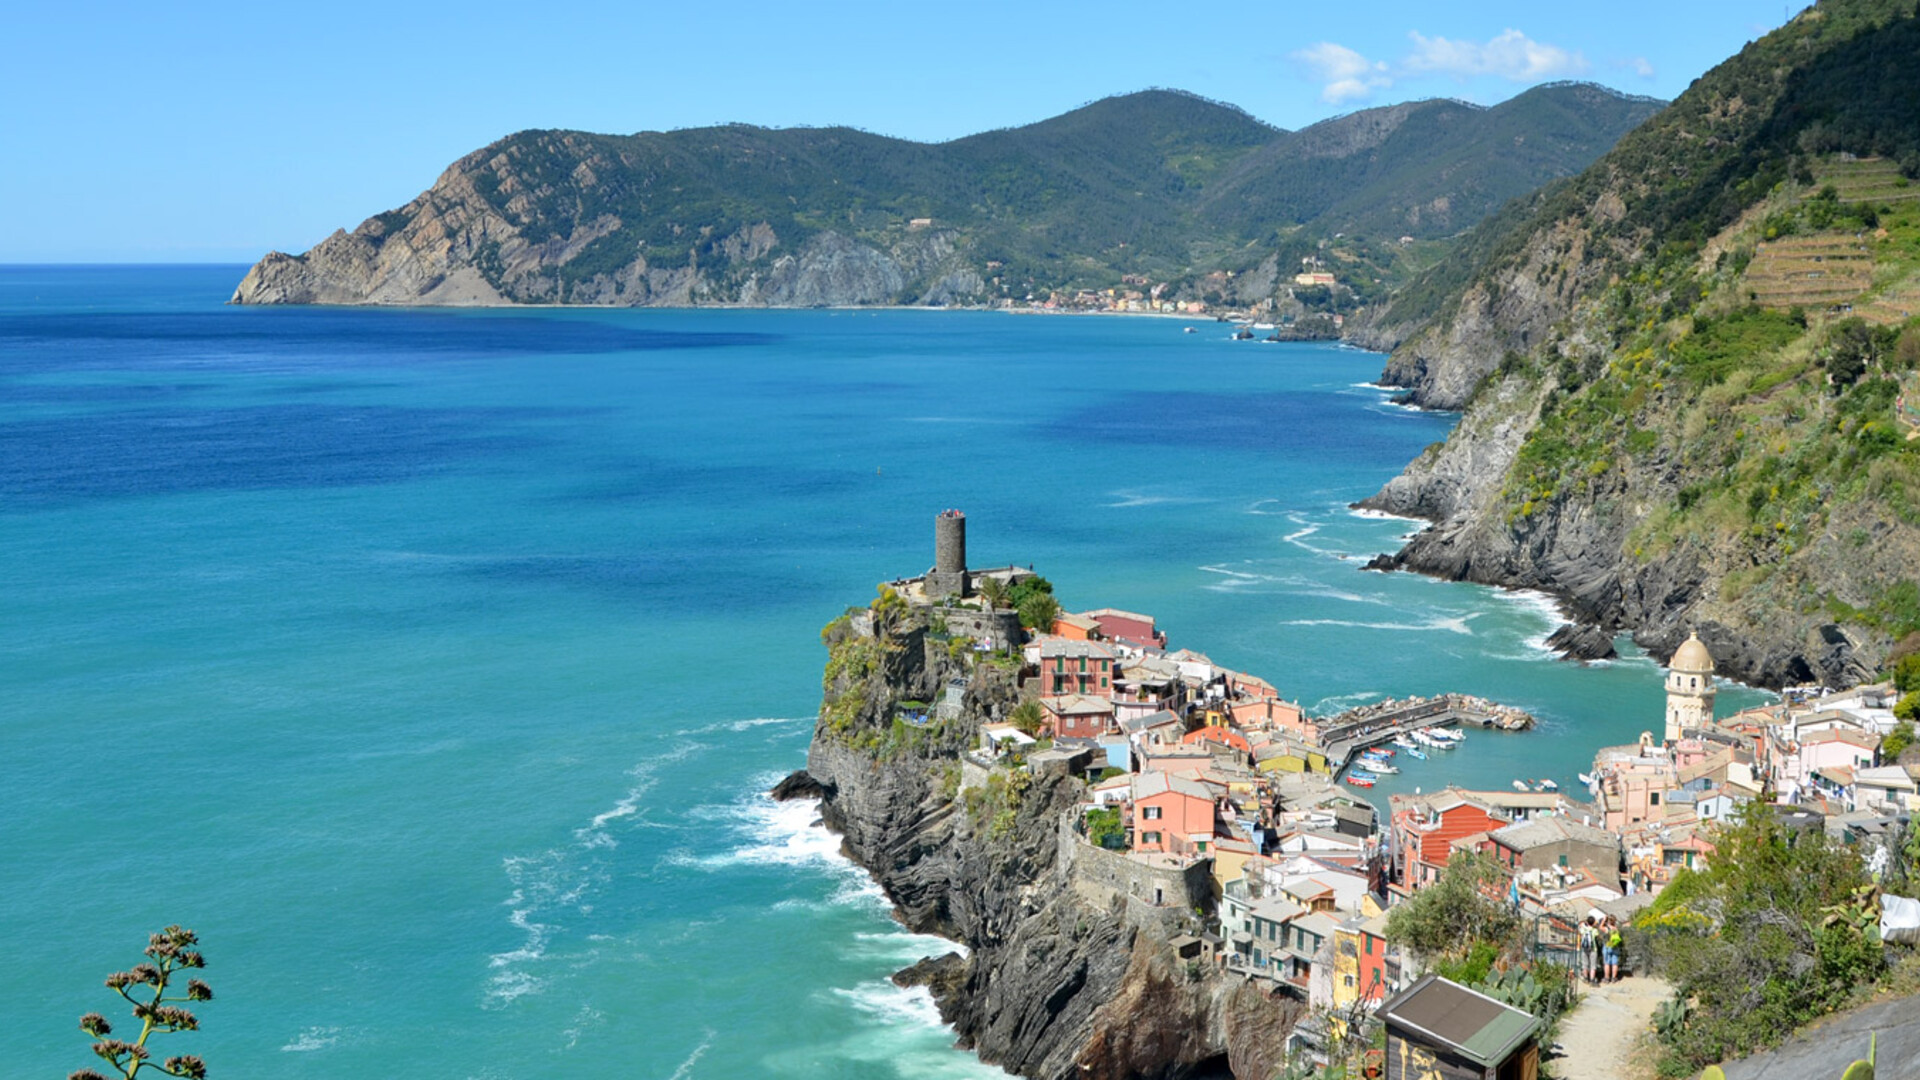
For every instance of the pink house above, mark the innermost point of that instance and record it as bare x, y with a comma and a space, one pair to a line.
1834, 749
1276, 715
1075, 667
1078, 716
1171, 814
1128, 626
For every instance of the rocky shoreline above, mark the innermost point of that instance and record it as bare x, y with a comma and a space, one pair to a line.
1053, 983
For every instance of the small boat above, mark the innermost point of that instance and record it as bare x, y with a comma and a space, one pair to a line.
1405, 743
1548, 785
1586, 779
1452, 735
1421, 754
1360, 774
1190, 330
1521, 785
1378, 751
1360, 781
1379, 766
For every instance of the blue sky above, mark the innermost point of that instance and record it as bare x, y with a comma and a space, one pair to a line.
217, 131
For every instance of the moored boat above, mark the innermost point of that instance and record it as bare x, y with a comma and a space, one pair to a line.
1359, 781
1414, 752
1521, 785
1548, 785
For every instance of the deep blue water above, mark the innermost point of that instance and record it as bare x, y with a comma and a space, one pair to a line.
430, 663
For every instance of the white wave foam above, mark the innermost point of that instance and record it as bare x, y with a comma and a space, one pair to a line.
587, 1017
778, 833
545, 887
1379, 515
766, 721
1135, 498
1342, 702
1456, 625
906, 1034
311, 1039
506, 987
1551, 613
686, 1067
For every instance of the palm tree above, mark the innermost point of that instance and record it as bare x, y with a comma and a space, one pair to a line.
994, 591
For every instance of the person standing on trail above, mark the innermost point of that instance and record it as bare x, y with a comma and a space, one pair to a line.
1589, 950
1611, 950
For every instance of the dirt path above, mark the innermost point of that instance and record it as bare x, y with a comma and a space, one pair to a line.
1598, 1038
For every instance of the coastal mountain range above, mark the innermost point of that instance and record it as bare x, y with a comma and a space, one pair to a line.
1687, 374
1681, 338
1160, 185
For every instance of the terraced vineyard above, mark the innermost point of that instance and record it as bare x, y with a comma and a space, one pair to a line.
1810, 271
1896, 304
1875, 180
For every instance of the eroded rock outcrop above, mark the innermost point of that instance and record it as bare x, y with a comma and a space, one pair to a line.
1054, 983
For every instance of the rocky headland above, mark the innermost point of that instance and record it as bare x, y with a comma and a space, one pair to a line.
1678, 372
1060, 975
1150, 197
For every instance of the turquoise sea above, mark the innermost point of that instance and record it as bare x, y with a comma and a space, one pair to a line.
431, 664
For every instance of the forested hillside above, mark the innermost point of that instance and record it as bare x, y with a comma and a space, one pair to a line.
1192, 195
1687, 372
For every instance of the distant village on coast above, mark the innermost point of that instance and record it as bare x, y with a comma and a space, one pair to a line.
1208, 790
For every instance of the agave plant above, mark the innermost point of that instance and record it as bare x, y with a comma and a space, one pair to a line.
1670, 1016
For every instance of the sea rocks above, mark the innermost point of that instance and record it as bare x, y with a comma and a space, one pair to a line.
1574, 641
798, 784
943, 975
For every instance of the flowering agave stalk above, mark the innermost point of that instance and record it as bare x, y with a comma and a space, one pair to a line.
146, 987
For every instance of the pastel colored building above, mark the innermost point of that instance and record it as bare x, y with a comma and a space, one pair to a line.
1080, 717
1171, 814
1128, 626
1277, 715
1426, 827
1075, 667
1218, 733
1360, 961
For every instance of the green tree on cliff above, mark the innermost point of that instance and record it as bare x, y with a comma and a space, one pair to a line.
994, 591
1033, 599
146, 987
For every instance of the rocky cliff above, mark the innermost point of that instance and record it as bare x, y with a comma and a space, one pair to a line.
1052, 984
1669, 418
1163, 186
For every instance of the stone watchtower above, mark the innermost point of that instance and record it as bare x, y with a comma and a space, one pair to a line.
1689, 688
949, 574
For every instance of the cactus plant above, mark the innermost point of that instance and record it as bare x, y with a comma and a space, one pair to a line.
1863, 1070
1859, 1070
